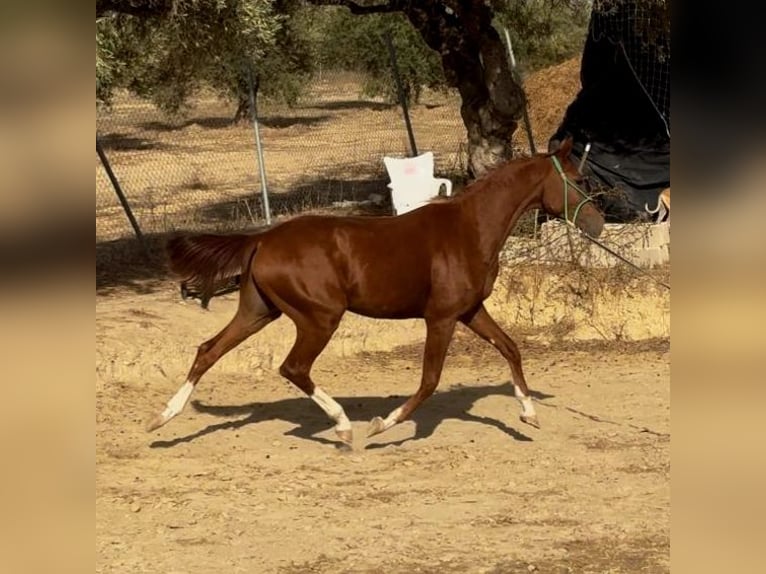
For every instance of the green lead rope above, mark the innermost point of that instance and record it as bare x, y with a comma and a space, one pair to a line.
567, 183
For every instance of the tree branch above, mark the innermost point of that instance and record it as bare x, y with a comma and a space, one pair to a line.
390, 6
138, 8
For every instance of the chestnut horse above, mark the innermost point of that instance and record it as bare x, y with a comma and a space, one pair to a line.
438, 262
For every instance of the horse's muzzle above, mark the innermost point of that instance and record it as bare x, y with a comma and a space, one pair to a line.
592, 225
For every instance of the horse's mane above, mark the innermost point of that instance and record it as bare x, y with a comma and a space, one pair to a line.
442, 198
486, 179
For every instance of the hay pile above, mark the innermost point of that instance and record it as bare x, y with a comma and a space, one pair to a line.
549, 92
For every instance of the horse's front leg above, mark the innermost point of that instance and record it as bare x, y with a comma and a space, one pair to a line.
438, 336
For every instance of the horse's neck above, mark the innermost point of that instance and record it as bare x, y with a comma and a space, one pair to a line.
500, 204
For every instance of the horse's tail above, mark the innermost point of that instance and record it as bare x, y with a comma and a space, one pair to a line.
205, 260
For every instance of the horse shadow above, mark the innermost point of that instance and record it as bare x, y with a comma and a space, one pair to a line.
452, 403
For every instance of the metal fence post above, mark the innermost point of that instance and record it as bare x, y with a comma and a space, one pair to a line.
258, 145
524, 111
121, 197
400, 90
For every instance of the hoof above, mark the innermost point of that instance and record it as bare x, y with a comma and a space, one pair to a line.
377, 425
530, 420
155, 423
346, 436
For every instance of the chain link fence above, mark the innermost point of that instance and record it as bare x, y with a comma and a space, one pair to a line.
200, 171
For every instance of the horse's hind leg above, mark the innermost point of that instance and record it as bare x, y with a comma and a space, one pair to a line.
252, 315
311, 339
485, 327
438, 337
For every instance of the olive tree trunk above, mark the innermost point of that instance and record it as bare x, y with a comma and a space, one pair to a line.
475, 62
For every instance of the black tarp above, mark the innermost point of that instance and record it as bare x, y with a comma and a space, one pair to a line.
623, 109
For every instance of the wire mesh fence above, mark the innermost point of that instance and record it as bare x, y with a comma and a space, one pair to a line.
199, 170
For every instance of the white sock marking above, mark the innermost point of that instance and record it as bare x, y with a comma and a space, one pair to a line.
332, 408
527, 408
177, 403
392, 418
179, 400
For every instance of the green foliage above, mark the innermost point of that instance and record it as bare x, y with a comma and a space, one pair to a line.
356, 43
201, 42
107, 65
650, 18
543, 32
210, 43
288, 65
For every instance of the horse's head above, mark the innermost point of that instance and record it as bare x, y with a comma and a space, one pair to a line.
563, 195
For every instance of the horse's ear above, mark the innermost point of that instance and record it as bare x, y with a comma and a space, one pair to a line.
565, 148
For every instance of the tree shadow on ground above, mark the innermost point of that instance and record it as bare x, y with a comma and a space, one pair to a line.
339, 196
283, 118
279, 122
218, 122
353, 105
453, 403
116, 141
126, 263
212, 122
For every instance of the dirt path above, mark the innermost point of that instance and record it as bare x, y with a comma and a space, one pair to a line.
250, 481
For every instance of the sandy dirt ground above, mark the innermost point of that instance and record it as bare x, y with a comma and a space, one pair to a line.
249, 479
